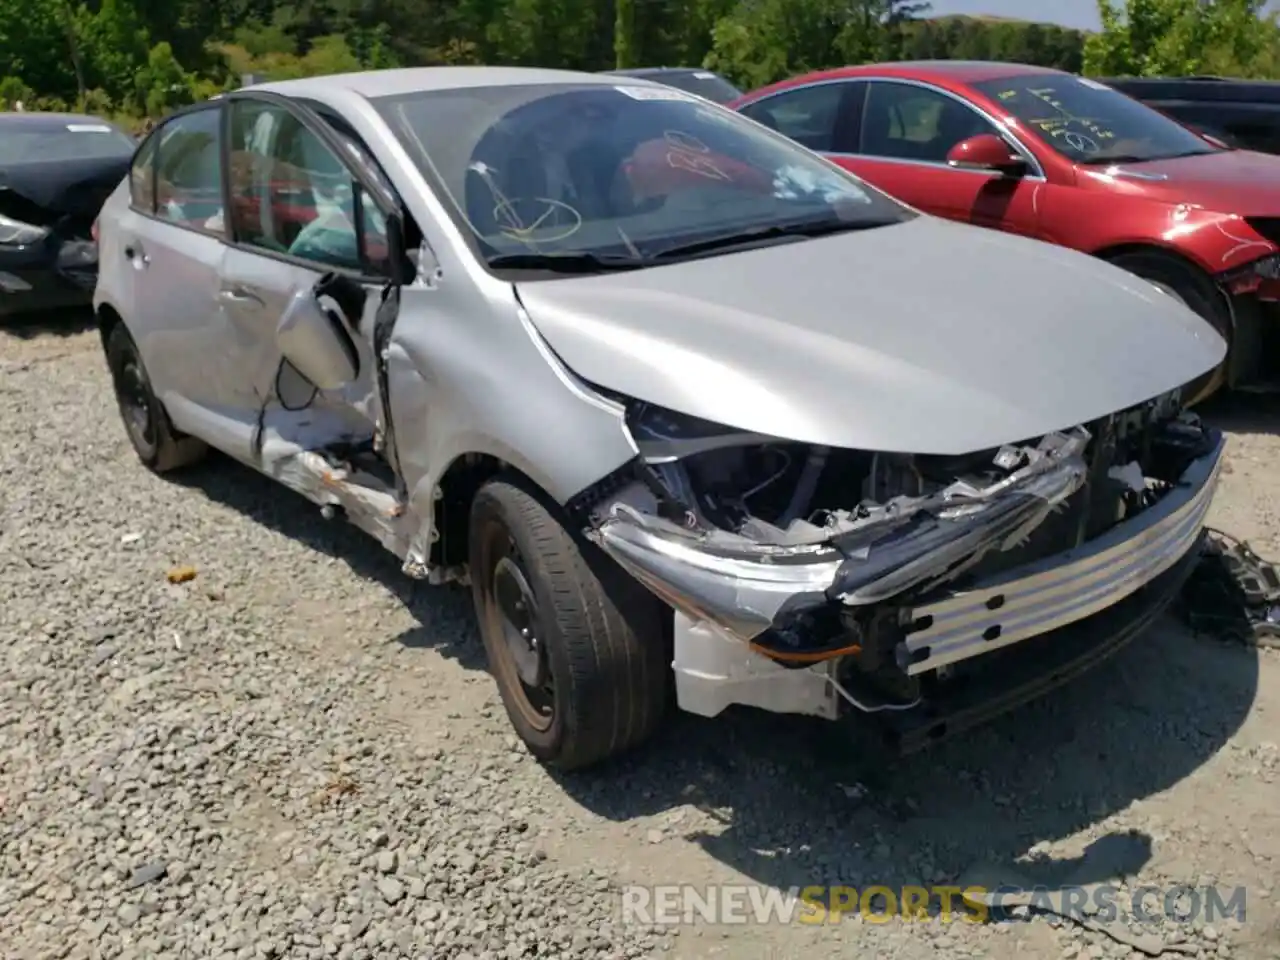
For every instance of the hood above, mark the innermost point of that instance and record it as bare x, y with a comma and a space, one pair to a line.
46, 193
1244, 182
926, 337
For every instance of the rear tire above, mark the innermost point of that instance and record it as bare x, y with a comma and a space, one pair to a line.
576, 646
150, 433
1194, 289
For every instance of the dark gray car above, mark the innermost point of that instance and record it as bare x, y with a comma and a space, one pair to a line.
705, 83
56, 169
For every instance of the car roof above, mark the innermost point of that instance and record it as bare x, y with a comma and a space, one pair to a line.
37, 120
385, 83
1227, 89
961, 71
653, 71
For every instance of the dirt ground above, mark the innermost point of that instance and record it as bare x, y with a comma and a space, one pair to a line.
162, 748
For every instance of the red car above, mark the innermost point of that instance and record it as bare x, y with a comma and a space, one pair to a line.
1063, 159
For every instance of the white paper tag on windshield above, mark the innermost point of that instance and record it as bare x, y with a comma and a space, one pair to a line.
657, 93
88, 128
1093, 84
704, 75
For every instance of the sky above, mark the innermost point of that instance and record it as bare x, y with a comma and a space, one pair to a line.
1081, 14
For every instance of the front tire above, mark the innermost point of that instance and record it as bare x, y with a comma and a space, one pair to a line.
147, 425
1197, 292
576, 646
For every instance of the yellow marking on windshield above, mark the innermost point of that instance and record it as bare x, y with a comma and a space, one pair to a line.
1056, 126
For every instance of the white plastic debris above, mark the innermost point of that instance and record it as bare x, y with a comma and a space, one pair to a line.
1130, 475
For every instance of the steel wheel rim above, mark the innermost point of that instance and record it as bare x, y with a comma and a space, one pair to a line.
520, 638
135, 402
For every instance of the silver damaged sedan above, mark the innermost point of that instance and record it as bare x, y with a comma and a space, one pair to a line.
699, 417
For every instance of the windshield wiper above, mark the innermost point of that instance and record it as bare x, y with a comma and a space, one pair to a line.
800, 230
1134, 158
564, 262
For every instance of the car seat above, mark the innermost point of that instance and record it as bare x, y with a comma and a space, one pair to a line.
877, 129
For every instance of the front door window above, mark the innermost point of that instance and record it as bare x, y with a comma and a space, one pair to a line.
292, 195
906, 122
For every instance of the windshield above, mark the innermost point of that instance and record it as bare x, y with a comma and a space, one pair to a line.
1088, 122
702, 82
618, 171
70, 141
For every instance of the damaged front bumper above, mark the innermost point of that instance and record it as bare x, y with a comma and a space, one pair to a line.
747, 587
55, 274
726, 594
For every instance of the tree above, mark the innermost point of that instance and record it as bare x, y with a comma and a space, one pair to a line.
1180, 38
162, 84
136, 55
764, 40
624, 34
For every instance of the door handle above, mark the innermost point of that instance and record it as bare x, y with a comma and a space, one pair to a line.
136, 254
239, 294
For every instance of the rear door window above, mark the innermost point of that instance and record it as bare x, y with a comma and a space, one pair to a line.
142, 176
808, 115
189, 171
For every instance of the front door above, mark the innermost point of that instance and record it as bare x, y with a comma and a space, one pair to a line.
905, 133
298, 213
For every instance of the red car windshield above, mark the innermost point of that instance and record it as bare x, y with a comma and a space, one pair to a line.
1088, 122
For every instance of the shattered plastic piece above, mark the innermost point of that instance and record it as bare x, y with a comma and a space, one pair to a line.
181, 574
1233, 594
1130, 475
131, 538
11, 284
1007, 458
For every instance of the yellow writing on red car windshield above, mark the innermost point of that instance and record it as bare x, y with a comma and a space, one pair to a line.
1063, 124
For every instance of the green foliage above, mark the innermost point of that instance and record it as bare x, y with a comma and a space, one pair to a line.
1154, 38
761, 41
147, 57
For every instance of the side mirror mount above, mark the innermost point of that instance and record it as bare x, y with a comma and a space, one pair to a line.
398, 253
986, 151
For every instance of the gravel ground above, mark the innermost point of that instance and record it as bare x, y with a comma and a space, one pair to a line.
297, 753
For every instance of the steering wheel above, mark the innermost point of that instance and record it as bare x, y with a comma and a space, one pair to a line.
522, 217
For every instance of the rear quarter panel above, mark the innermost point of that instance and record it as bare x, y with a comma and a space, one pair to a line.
113, 288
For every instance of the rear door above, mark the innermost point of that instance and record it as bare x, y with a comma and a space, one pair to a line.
299, 211
172, 248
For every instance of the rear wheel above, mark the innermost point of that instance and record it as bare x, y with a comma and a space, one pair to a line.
575, 645
1195, 290
147, 425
